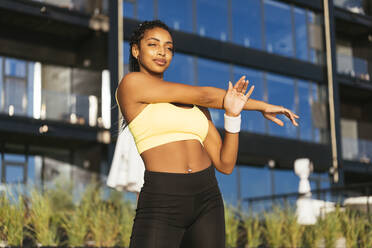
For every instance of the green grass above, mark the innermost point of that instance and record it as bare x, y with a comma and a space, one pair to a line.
52, 218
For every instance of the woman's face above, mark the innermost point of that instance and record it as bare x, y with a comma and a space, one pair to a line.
155, 52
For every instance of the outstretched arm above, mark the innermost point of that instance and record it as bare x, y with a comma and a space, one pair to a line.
269, 111
141, 88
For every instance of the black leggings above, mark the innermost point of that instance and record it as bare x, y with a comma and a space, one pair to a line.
178, 210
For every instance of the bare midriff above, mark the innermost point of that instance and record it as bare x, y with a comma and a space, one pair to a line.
185, 156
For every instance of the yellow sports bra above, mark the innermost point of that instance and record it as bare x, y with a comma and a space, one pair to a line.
161, 123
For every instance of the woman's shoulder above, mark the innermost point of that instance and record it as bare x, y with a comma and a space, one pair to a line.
205, 111
131, 76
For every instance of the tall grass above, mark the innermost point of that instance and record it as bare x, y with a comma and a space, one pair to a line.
331, 227
352, 228
292, 228
365, 238
11, 220
52, 219
312, 235
253, 230
43, 220
231, 226
274, 223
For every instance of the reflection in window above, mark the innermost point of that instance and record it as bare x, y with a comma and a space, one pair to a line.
252, 181
126, 54
228, 186
281, 92
14, 87
286, 181
316, 37
216, 74
355, 6
246, 23
145, 9
252, 121
13, 168
278, 28
128, 9
304, 111
181, 69
301, 34
176, 14
14, 174
212, 19
139, 9
15, 67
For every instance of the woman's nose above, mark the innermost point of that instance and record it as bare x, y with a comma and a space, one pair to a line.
161, 51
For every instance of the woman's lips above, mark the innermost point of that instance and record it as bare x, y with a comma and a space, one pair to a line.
160, 61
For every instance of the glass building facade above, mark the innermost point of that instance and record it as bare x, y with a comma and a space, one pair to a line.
71, 95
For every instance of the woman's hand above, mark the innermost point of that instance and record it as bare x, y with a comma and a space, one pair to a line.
271, 111
235, 99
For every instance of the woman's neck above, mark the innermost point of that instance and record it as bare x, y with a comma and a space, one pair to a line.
157, 75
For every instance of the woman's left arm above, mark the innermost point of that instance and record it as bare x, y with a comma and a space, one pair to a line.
224, 154
269, 111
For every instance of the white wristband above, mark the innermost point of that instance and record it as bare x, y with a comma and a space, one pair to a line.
232, 124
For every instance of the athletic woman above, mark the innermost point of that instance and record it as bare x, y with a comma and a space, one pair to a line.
180, 204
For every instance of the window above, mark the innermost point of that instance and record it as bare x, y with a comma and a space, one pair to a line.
14, 86
316, 38
216, 74
247, 25
128, 8
139, 9
176, 14
13, 166
252, 121
181, 69
212, 19
281, 92
278, 28
301, 34
305, 103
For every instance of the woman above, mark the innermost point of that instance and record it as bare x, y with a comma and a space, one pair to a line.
180, 204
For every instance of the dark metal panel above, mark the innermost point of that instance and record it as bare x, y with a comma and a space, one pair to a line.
352, 18
18, 129
231, 53
44, 39
357, 167
353, 82
36, 52
113, 66
46, 11
257, 149
315, 5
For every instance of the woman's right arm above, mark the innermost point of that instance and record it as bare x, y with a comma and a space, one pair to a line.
141, 88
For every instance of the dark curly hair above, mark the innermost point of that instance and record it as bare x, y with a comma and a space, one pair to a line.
137, 36
135, 39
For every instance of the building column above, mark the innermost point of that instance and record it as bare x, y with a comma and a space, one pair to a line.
115, 66
333, 92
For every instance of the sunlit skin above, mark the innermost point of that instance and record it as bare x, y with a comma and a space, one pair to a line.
138, 89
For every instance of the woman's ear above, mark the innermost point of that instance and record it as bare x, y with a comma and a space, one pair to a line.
135, 51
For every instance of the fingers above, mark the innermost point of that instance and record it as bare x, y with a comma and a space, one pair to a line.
275, 120
238, 86
291, 116
249, 93
230, 86
241, 85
